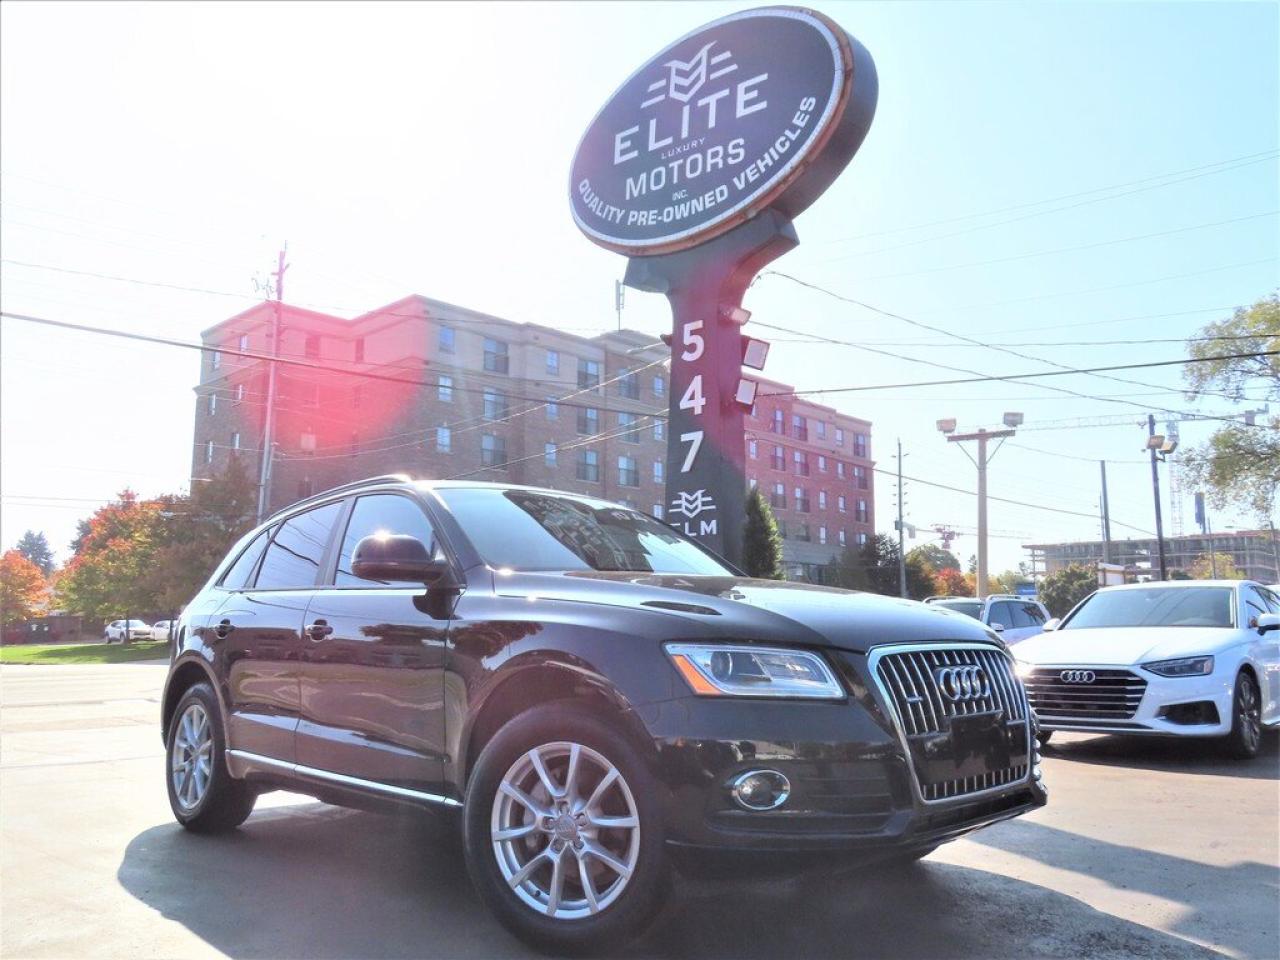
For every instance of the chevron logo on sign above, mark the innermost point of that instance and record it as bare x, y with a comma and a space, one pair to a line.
692, 504
685, 78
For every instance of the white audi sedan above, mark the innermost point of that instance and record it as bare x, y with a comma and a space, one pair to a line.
1186, 658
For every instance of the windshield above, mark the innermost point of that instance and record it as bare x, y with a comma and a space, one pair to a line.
1155, 607
532, 530
970, 608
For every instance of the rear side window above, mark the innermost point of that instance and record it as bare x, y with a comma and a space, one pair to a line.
1002, 613
294, 557
237, 577
384, 513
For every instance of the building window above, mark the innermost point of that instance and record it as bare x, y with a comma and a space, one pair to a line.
801, 460
444, 389
588, 373
778, 499
444, 440
779, 460
840, 503
657, 511
753, 449
861, 515
307, 442
860, 477
235, 440
239, 392
589, 466
779, 424
357, 396
862, 539
822, 534
659, 470
588, 421
839, 436
312, 347
799, 429
842, 537
359, 349
822, 499
627, 423
495, 405
628, 472
822, 464
802, 500
751, 483
354, 445
493, 450
208, 451
495, 355
215, 360
629, 385
553, 409
840, 469
305, 488
549, 454
243, 343
553, 362
213, 404
860, 445
820, 427
803, 533
659, 386
445, 340
659, 430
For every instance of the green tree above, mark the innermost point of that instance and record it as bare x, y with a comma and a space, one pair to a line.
108, 577
761, 542
35, 548
23, 588
1204, 567
935, 558
874, 568
1239, 464
1063, 590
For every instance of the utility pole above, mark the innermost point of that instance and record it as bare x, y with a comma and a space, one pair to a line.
1106, 516
619, 299
902, 556
983, 437
268, 421
1155, 489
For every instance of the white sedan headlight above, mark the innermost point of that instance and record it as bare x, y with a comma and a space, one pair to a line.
718, 670
1181, 667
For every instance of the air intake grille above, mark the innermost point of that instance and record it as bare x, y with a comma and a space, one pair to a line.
912, 681
1093, 694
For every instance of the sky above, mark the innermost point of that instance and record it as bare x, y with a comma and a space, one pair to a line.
1086, 184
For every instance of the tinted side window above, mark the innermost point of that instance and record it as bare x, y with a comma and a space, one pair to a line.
380, 513
238, 575
1027, 615
293, 559
1270, 599
1001, 613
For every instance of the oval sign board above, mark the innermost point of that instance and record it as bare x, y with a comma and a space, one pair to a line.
759, 109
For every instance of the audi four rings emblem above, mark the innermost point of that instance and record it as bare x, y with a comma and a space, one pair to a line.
963, 683
1078, 676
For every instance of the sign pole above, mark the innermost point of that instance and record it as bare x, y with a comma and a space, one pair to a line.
706, 479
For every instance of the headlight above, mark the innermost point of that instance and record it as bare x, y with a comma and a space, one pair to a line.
717, 670
1182, 667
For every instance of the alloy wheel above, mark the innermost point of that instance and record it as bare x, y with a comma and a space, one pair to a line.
192, 758
565, 830
1249, 708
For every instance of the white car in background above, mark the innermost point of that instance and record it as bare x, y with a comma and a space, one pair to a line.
1014, 618
116, 631
1186, 658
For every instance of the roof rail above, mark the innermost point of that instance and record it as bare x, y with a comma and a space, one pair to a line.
354, 484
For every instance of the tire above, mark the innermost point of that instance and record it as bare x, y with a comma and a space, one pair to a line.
625, 903
203, 795
1044, 736
1245, 738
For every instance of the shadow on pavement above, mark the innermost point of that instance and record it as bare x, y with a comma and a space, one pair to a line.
1234, 906
322, 882
1171, 755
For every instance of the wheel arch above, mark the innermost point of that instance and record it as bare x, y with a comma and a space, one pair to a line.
184, 674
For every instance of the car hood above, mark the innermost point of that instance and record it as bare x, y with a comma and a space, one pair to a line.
1121, 646
742, 608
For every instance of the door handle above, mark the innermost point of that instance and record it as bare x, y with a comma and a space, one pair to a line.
223, 629
319, 630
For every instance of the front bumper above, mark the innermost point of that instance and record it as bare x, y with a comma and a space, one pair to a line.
853, 785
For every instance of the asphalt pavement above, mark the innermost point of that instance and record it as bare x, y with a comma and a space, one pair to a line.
1147, 849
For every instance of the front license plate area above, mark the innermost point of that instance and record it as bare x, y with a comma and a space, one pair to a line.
974, 745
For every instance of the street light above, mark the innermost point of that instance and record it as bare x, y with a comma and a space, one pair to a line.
1012, 420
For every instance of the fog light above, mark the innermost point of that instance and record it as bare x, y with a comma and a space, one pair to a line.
758, 790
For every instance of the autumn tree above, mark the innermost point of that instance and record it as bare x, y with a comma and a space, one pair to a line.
35, 547
23, 588
1220, 566
761, 542
107, 578
952, 583
1240, 463
934, 558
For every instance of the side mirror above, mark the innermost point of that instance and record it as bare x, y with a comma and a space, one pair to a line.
1268, 621
997, 627
400, 558
1052, 624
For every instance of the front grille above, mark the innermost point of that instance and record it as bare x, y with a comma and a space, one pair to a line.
1109, 695
925, 711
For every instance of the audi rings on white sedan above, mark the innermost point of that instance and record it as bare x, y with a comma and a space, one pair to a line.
1187, 658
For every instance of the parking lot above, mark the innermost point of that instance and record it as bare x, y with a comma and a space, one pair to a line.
1147, 849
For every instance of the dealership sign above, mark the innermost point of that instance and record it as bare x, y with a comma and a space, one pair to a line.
759, 109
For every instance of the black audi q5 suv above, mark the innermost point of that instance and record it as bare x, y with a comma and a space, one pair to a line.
600, 697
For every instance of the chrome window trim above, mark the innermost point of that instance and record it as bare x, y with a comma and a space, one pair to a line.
300, 770
874, 657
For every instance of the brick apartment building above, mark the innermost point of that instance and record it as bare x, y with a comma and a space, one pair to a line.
440, 391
